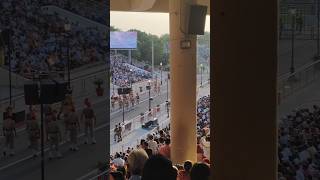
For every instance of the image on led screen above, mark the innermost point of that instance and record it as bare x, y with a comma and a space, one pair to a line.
123, 40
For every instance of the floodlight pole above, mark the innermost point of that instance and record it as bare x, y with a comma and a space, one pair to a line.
152, 58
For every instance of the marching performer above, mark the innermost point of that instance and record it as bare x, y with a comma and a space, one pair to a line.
89, 118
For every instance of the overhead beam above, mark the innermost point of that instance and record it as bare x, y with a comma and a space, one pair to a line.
159, 6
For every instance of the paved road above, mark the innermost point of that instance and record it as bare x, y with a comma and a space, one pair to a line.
73, 165
304, 51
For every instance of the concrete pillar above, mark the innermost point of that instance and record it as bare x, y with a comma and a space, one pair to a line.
183, 87
244, 69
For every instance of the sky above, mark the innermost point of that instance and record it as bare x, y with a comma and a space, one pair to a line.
153, 23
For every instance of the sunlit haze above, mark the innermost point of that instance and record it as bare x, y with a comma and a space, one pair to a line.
153, 23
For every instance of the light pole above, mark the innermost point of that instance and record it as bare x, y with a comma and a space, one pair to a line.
7, 40
318, 30
293, 17
148, 87
112, 85
130, 77
122, 109
201, 67
160, 73
168, 77
167, 102
67, 28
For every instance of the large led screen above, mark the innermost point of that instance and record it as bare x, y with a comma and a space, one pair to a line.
123, 40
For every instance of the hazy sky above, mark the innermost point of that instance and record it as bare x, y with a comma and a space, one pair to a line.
154, 23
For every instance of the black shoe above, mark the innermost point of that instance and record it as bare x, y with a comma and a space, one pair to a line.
4, 153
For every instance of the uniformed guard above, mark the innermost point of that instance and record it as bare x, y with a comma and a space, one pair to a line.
89, 118
73, 125
120, 102
168, 108
159, 88
119, 133
115, 131
126, 101
132, 100
112, 101
29, 120
34, 135
137, 98
66, 106
54, 136
9, 131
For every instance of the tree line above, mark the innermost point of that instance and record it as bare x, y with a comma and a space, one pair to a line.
161, 47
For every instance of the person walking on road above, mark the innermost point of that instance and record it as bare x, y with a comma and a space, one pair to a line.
54, 136
112, 102
73, 126
9, 132
115, 131
132, 100
89, 121
34, 135
138, 98
119, 133
66, 106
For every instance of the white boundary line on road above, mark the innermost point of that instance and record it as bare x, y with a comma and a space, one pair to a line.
89, 174
46, 149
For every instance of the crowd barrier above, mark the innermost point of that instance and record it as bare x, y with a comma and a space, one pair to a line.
159, 112
133, 124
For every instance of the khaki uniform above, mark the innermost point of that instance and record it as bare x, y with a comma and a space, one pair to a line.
116, 134
73, 126
112, 102
34, 135
138, 99
89, 121
132, 100
54, 137
120, 103
119, 133
9, 133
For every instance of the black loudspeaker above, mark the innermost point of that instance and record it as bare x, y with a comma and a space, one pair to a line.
31, 94
50, 93
53, 92
124, 91
197, 19
62, 91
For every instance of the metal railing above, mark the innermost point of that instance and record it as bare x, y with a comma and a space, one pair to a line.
302, 77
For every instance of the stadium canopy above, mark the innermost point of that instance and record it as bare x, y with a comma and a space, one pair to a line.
161, 6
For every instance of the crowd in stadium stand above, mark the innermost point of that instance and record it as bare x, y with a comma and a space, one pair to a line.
123, 74
151, 158
39, 41
299, 144
96, 10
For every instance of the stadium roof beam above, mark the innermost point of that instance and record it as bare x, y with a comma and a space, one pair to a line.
161, 6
